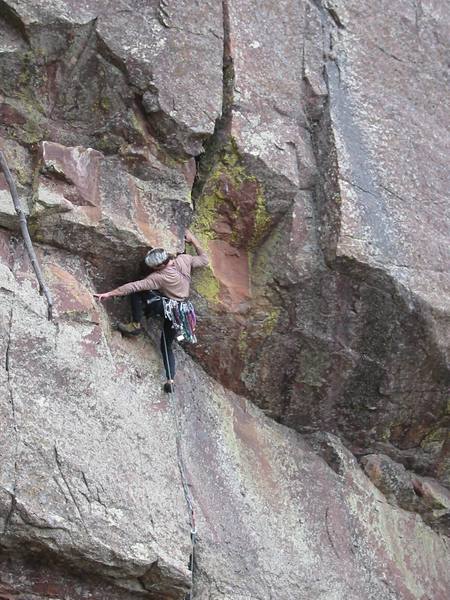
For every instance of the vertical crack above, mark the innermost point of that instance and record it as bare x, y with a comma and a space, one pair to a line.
8, 378
222, 129
224, 122
325, 207
8, 343
59, 464
14, 419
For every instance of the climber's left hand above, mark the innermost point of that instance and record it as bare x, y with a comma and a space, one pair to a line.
103, 296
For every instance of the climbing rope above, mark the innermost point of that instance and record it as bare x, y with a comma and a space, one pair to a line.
181, 467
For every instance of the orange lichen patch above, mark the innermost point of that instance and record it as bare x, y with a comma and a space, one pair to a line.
69, 295
230, 267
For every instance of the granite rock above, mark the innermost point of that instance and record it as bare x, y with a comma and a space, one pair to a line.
308, 143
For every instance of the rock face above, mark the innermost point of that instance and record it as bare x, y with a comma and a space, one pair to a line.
323, 204
91, 499
298, 139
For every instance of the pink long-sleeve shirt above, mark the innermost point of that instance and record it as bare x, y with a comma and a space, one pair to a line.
173, 281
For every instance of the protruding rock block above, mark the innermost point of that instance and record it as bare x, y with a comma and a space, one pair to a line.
409, 491
91, 205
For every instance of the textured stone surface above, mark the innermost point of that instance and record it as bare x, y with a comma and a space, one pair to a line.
89, 475
334, 158
153, 49
88, 204
407, 490
320, 193
94, 510
320, 275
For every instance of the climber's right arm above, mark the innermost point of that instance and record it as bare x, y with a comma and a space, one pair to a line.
201, 260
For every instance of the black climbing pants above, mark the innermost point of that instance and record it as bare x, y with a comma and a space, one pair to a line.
151, 305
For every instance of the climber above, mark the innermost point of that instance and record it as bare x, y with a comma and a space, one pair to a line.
165, 293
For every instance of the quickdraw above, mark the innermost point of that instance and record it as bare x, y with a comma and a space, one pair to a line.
182, 315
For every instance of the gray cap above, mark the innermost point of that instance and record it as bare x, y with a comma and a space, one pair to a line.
156, 257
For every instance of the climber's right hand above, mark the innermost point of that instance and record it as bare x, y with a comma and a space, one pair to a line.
188, 237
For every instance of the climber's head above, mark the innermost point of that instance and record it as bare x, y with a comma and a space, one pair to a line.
157, 258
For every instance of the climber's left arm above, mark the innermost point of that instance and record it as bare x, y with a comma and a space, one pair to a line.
151, 282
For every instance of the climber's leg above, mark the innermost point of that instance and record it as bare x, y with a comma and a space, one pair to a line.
153, 306
167, 337
137, 309
134, 328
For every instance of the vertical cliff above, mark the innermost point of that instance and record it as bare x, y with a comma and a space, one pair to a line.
306, 142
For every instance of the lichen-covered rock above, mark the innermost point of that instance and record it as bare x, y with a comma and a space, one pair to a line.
84, 62
102, 173
330, 308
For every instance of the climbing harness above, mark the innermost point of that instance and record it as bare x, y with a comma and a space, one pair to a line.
182, 469
182, 315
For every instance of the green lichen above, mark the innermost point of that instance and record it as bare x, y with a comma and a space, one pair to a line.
32, 132
207, 285
242, 342
435, 436
271, 321
262, 219
135, 123
206, 215
261, 263
101, 105
227, 180
105, 104
28, 69
22, 175
230, 169
384, 433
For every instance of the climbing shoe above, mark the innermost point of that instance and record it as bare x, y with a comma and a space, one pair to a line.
169, 388
129, 329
